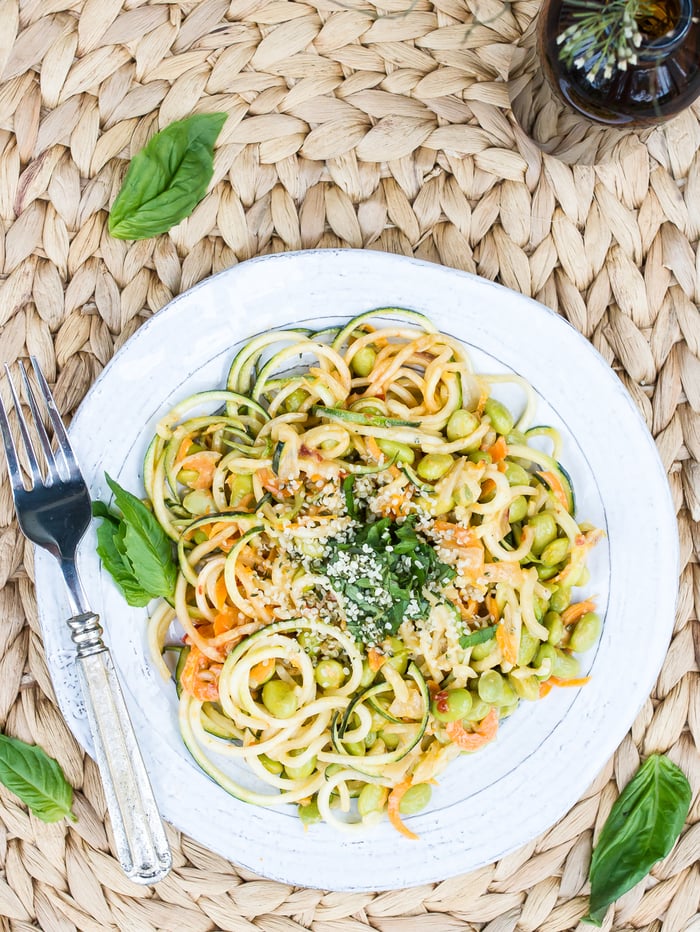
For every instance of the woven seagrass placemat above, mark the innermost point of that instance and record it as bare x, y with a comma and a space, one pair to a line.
350, 124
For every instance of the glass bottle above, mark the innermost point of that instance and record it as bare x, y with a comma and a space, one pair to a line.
576, 108
664, 80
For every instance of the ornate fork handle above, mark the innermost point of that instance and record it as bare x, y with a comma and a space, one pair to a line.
139, 835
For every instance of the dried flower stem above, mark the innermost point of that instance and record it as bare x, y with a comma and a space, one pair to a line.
603, 36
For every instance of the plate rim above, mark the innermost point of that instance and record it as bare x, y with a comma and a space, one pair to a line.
478, 283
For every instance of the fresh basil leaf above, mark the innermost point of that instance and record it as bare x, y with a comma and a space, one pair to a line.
477, 637
134, 548
146, 545
642, 827
348, 483
100, 510
151, 569
108, 550
36, 778
167, 179
382, 572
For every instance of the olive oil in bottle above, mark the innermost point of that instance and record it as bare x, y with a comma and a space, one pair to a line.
643, 75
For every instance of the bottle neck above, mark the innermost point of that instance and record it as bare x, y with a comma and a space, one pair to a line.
655, 47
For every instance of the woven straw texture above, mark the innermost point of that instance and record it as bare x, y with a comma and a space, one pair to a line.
384, 127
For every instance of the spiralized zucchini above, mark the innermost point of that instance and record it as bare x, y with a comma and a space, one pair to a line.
376, 565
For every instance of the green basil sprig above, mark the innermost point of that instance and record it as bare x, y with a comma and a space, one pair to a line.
642, 827
134, 548
36, 778
167, 179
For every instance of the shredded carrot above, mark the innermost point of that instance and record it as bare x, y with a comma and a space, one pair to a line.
505, 639
200, 677
548, 684
373, 449
375, 659
204, 464
483, 398
492, 606
473, 740
261, 672
393, 804
463, 536
224, 621
499, 450
220, 592
488, 487
269, 482
182, 449
573, 681
576, 611
557, 488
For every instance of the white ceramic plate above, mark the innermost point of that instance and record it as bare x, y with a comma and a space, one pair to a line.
548, 752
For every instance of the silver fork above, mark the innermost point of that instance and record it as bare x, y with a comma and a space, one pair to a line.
54, 513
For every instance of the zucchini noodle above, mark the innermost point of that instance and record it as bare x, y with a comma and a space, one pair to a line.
376, 564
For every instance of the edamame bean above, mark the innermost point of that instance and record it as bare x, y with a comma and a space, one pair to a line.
199, 502
561, 599
564, 665
303, 770
481, 651
580, 577
363, 361
555, 552
546, 572
555, 626
463, 495
397, 654
518, 509
586, 632
479, 709
368, 675
527, 687
516, 475
241, 486
540, 607
480, 456
450, 705
434, 465
279, 698
493, 688
545, 652
415, 798
505, 710
295, 400
528, 648
309, 813
273, 766
329, 674
402, 451
390, 739
372, 798
544, 528
461, 424
356, 748
501, 419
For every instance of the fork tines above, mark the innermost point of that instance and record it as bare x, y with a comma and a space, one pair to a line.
60, 465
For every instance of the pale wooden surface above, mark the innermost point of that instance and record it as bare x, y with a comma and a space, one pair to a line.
349, 125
